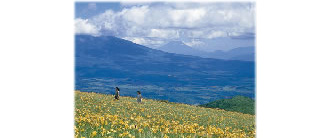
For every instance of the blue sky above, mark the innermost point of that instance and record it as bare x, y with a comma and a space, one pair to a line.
204, 26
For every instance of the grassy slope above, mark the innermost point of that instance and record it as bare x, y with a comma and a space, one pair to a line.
98, 115
238, 103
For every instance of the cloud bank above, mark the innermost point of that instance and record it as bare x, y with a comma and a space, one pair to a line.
155, 24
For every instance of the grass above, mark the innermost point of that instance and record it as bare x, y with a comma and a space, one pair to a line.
99, 115
238, 103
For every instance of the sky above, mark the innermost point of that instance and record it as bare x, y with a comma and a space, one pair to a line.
204, 26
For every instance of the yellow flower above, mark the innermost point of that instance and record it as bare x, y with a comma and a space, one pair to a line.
93, 133
140, 130
108, 117
125, 133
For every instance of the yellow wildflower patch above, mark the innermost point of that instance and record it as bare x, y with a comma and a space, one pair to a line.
99, 115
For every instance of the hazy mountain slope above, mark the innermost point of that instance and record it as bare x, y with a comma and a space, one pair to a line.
246, 57
240, 53
106, 61
118, 54
179, 47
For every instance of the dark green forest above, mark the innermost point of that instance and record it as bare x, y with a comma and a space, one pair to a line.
237, 103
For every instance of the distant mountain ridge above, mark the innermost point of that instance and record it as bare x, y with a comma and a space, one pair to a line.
179, 47
240, 53
116, 53
106, 61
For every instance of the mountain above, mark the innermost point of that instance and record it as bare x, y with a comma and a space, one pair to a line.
101, 63
179, 47
238, 103
240, 53
245, 57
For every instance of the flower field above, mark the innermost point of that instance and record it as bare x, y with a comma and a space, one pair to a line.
99, 115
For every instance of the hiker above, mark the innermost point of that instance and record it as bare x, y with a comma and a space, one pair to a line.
139, 97
117, 93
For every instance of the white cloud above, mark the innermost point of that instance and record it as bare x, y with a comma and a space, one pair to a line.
135, 15
136, 40
215, 34
207, 34
163, 33
194, 43
82, 26
145, 41
191, 18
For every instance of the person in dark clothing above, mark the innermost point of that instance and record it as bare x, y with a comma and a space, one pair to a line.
139, 97
117, 93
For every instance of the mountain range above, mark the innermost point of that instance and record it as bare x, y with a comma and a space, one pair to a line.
240, 53
104, 62
179, 47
